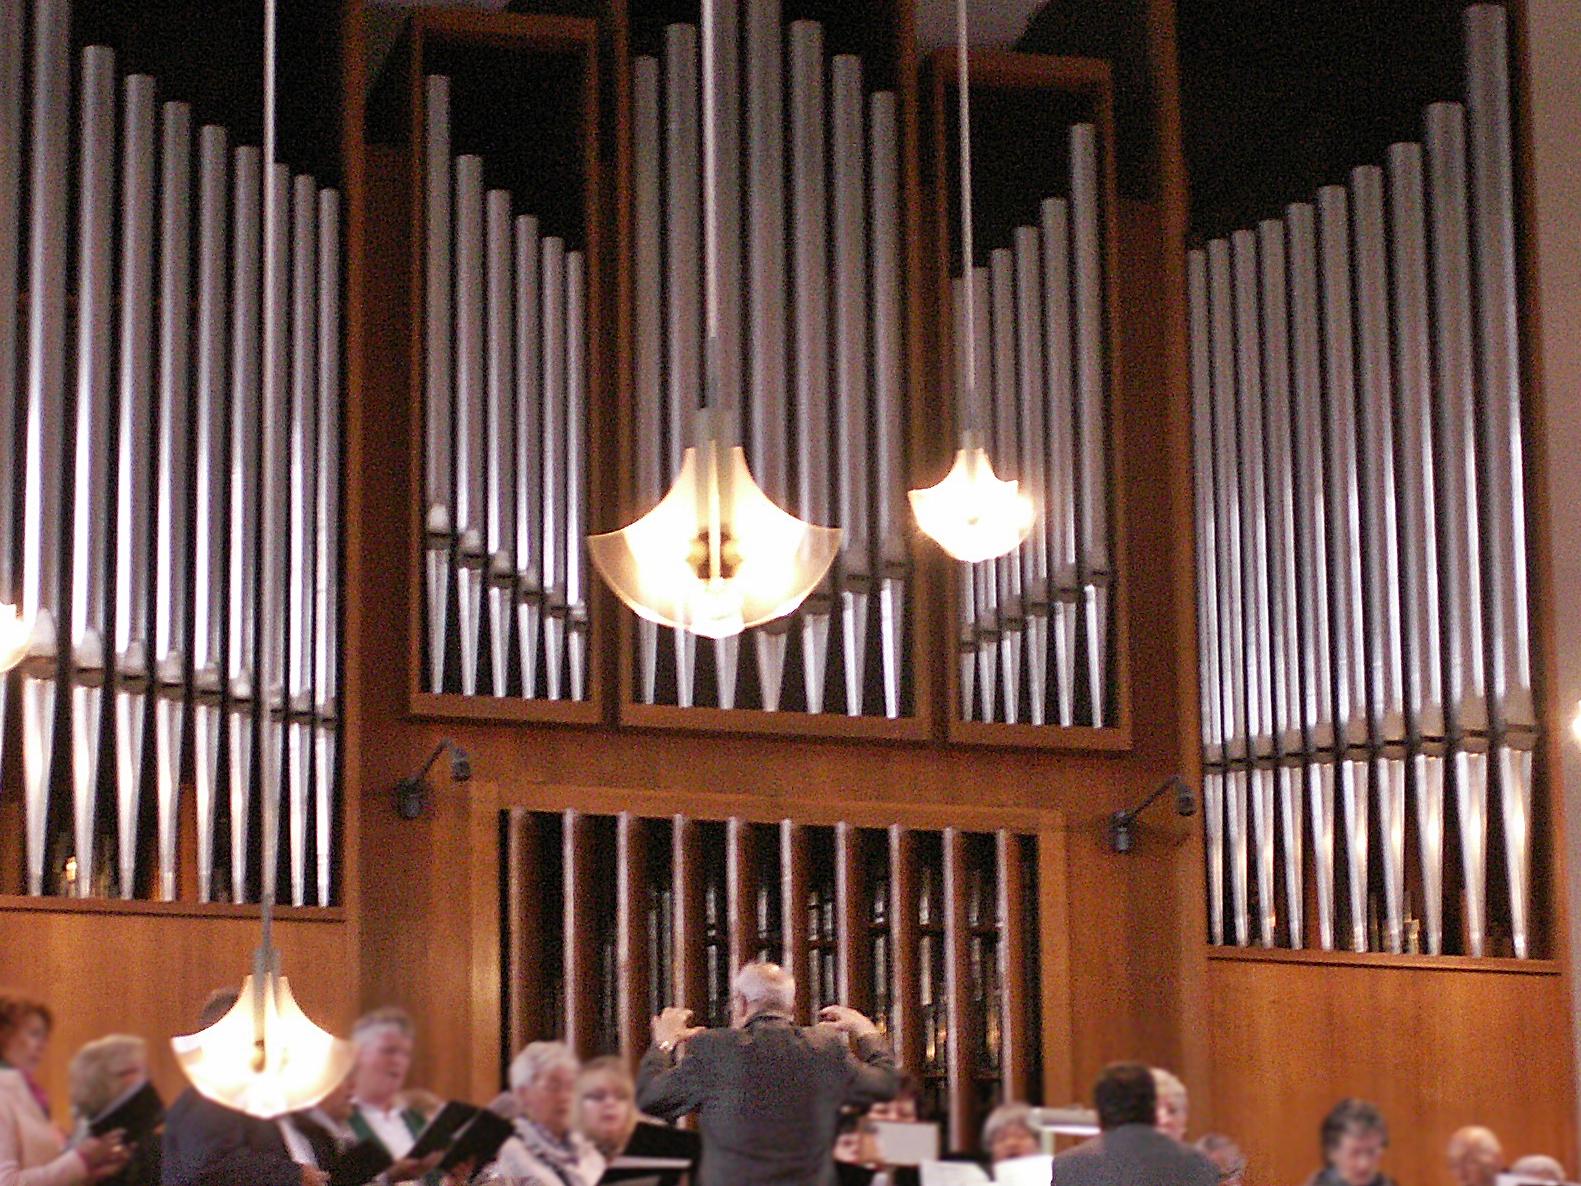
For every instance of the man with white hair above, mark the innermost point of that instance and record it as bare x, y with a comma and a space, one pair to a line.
766, 1091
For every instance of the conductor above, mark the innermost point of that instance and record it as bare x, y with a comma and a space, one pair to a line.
766, 1091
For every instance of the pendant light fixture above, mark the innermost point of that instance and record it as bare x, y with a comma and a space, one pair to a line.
716, 555
265, 1057
971, 514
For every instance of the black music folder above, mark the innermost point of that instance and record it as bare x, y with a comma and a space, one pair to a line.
138, 1114
656, 1155
442, 1129
362, 1162
478, 1142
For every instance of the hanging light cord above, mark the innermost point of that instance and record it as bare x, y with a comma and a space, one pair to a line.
968, 283
710, 300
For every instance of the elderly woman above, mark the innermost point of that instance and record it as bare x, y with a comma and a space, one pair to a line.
1172, 1104
546, 1150
32, 1150
1354, 1138
101, 1075
1008, 1133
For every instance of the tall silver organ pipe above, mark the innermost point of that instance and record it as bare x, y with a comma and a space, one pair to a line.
648, 430
439, 394
500, 428
766, 296
471, 559
299, 482
1006, 445
683, 283
1091, 391
171, 538
1370, 501
209, 528
1502, 457
91, 469
849, 271
246, 393
43, 509
1060, 513
575, 528
810, 289
529, 448
12, 53
134, 473
326, 566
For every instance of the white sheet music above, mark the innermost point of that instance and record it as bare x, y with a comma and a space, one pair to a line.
953, 1173
1037, 1170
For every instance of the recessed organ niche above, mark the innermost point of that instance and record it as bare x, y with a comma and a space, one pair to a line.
170, 522
504, 144
1363, 568
933, 933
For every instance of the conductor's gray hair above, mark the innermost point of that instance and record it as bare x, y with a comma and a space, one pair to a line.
765, 987
538, 1059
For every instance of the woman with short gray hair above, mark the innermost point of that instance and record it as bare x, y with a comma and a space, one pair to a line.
546, 1150
1008, 1133
1354, 1138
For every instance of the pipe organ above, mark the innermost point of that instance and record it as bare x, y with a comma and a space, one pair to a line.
1033, 628
144, 388
931, 931
810, 344
505, 423
1362, 566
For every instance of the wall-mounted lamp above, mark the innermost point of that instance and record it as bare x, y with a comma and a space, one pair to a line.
411, 792
1122, 824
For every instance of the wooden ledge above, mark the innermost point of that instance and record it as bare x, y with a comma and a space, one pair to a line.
24, 903
1386, 960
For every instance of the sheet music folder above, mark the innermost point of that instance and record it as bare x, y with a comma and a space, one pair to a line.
137, 1113
656, 1155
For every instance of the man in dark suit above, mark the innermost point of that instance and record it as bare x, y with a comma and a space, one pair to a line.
1131, 1151
767, 1092
208, 1144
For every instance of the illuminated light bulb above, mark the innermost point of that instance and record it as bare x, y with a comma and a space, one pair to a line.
264, 1057
715, 556
972, 514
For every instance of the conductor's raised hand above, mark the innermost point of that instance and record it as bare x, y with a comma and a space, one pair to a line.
847, 1021
673, 1027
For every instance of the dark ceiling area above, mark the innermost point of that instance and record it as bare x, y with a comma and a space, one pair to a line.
1278, 96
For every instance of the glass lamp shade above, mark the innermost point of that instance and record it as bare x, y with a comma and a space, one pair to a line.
715, 556
15, 636
971, 514
289, 1065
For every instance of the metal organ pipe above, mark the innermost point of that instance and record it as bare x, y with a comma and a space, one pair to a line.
91, 468
43, 507
134, 477
529, 448
500, 406
470, 520
209, 528
439, 394
648, 433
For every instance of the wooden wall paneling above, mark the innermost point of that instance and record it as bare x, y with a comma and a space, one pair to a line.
687, 869
793, 906
852, 952
957, 984
145, 968
1054, 971
906, 1024
740, 893
490, 1053
581, 933
1434, 1045
1012, 966
631, 933
524, 981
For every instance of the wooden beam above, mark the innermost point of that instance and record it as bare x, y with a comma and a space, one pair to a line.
1012, 1003
905, 979
793, 904
957, 987
686, 867
631, 935
581, 933
740, 893
852, 949
523, 934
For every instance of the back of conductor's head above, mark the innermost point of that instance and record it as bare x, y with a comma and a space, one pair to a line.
1125, 1094
761, 988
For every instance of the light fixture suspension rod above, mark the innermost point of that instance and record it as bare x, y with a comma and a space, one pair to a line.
267, 479
963, 95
